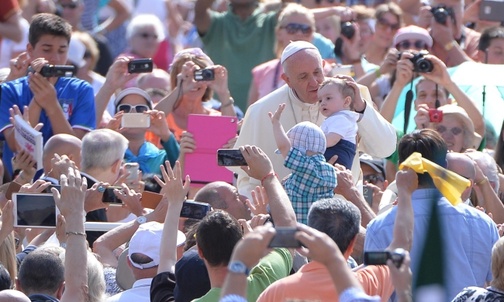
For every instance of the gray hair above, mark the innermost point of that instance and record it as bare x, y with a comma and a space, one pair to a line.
143, 20
96, 278
102, 148
488, 165
336, 217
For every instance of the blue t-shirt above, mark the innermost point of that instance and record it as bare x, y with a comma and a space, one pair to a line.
76, 99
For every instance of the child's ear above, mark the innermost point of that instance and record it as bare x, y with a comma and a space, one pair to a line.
348, 102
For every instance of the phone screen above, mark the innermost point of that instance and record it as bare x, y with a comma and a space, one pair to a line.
230, 157
376, 258
195, 210
34, 210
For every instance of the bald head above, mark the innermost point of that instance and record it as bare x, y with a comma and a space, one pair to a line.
221, 195
62, 144
11, 295
158, 79
488, 166
463, 166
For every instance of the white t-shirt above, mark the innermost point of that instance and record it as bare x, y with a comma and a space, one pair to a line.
9, 47
343, 123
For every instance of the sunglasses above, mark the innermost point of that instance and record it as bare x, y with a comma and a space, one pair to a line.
455, 130
373, 178
127, 108
147, 35
87, 55
383, 23
293, 28
69, 5
418, 44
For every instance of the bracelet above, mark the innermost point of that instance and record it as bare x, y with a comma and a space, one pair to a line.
268, 175
377, 72
448, 46
484, 180
76, 233
231, 102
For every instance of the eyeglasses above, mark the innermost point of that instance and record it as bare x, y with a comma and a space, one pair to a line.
69, 5
147, 35
373, 178
16, 241
127, 108
87, 54
384, 24
454, 130
418, 44
293, 28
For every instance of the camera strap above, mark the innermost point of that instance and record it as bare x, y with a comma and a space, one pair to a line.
407, 104
437, 103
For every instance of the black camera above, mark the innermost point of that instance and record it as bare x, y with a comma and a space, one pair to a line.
140, 65
381, 257
441, 13
347, 30
421, 64
48, 71
206, 74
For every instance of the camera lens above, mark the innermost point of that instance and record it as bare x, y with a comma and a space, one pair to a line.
347, 30
424, 65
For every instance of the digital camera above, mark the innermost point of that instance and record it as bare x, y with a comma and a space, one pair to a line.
347, 29
421, 64
206, 74
441, 13
49, 71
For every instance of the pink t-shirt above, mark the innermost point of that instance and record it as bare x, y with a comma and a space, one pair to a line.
263, 77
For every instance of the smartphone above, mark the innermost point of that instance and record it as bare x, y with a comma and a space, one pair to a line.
284, 237
34, 210
491, 10
109, 196
230, 157
140, 65
132, 169
435, 116
381, 257
368, 194
206, 74
150, 199
195, 210
135, 120
48, 189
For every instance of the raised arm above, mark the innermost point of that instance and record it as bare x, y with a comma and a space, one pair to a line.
71, 206
407, 182
404, 74
176, 191
260, 167
202, 18
282, 141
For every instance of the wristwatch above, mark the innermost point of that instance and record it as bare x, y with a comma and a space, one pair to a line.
238, 267
141, 219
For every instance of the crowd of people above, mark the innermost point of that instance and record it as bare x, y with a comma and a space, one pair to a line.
368, 173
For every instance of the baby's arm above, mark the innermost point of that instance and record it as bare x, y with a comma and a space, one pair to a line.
282, 141
332, 139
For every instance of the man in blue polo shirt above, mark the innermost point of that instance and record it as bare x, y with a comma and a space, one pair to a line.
62, 104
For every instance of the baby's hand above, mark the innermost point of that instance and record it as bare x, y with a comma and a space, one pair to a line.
275, 118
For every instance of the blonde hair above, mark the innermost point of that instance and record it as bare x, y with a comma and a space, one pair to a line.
176, 68
498, 264
90, 45
390, 7
8, 256
289, 10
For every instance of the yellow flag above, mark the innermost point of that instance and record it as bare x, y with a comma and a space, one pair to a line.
449, 183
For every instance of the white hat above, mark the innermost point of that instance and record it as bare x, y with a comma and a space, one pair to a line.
147, 241
473, 139
76, 51
133, 90
306, 136
294, 47
413, 32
